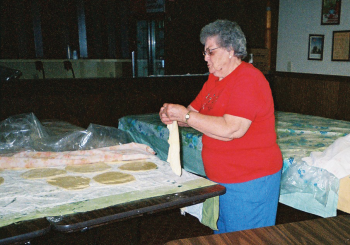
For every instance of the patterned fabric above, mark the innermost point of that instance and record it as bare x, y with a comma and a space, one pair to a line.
298, 135
150, 125
148, 129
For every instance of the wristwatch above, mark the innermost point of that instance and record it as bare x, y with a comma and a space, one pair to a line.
187, 116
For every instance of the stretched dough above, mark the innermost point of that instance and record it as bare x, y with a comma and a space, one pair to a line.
70, 182
138, 166
113, 178
88, 168
174, 148
40, 173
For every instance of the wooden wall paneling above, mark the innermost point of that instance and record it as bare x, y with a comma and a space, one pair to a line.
298, 98
312, 94
282, 96
330, 99
343, 108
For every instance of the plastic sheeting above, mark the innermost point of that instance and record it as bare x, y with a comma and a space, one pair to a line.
25, 132
303, 178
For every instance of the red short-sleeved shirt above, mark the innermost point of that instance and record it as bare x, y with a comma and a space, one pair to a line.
243, 93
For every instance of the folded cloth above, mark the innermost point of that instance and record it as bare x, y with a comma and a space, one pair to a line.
28, 159
207, 212
335, 159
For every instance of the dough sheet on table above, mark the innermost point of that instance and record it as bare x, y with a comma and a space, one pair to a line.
24, 199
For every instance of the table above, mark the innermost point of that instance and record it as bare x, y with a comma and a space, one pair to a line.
297, 136
74, 222
318, 231
27, 230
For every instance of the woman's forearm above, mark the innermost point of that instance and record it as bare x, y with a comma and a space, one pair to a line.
223, 128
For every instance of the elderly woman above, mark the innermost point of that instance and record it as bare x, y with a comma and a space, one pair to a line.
235, 112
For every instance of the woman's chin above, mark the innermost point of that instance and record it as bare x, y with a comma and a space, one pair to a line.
215, 72
211, 70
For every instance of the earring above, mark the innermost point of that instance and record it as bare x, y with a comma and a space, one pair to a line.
230, 56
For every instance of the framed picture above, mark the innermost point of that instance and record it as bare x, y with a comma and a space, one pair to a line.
341, 46
330, 12
315, 47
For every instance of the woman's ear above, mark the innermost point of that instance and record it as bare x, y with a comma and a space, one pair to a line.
231, 54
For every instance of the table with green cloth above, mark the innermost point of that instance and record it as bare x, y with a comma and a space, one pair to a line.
304, 187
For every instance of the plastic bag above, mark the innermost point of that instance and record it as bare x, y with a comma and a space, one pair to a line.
25, 132
304, 178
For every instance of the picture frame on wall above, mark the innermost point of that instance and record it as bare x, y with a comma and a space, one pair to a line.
331, 12
341, 46
316, 45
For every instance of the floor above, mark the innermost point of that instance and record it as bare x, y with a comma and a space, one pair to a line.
154, 229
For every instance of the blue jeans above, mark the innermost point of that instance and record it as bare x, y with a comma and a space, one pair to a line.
250, 204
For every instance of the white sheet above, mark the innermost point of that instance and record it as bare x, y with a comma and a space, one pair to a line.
335, 159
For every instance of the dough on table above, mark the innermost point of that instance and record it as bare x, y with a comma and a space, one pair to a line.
174, 148
70, 182
138, 166
1, 180
40, 173
88, 168
113, 178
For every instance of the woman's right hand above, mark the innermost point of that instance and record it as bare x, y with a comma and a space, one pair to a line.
163, 116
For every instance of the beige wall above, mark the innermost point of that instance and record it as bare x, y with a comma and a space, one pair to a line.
297, 20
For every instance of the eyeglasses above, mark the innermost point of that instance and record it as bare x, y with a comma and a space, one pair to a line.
209, 51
